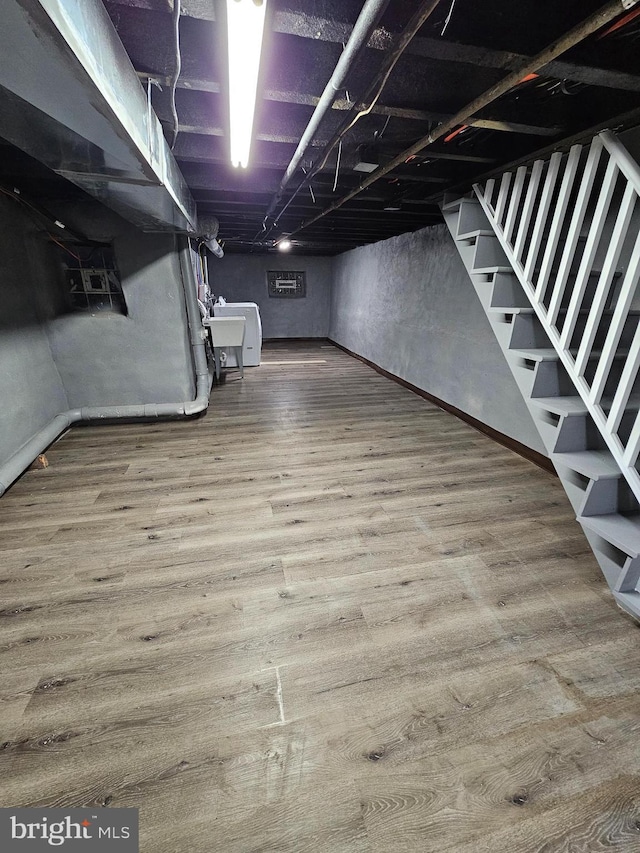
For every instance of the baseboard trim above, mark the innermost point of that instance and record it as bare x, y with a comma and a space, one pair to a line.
293, 340
528, 453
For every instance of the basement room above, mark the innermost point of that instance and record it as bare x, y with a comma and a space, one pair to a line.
320, 426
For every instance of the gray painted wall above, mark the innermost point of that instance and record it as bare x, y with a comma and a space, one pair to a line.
243, 278
52, 360
145, 357
407, 305
31, 391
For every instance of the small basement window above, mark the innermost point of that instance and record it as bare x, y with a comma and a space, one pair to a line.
92, 279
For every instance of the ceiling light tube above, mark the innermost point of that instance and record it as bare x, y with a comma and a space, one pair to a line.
245, 27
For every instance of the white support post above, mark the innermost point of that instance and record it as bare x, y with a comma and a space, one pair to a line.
579, 211
527, 209
503, 193
514, 204
566, 186
586, 265
540, 222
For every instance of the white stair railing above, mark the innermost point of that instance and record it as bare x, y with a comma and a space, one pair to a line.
570, 229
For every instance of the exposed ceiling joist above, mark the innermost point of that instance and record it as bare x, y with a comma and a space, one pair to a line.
422, 97
210, 130
297, 23
196, 85
317, 27
559, 46
508, 61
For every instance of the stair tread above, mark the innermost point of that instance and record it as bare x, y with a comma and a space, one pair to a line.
527, 309
569, 405
546, 354
490, 269
537, 354
623, 531
455, 203
594, 464
476, 232
561, 405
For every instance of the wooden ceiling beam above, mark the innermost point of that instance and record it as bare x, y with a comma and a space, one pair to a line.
193, 84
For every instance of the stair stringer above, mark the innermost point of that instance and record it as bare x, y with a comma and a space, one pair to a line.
592, 480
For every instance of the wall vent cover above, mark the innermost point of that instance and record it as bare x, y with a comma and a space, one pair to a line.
287, 284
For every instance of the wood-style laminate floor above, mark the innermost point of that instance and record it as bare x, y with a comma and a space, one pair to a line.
326, 617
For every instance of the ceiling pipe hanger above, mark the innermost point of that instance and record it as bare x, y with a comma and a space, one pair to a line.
529, 66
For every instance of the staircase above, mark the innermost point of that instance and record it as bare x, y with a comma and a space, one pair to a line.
553, 252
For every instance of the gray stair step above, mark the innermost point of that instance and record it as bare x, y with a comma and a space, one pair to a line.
478, 232
623, 531
567, 406
594, 464
538, 354
564, 406
454, 204
527, 309
544, 354
629, 601
493, 269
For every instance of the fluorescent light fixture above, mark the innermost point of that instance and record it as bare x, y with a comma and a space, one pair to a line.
245, 26
284, 245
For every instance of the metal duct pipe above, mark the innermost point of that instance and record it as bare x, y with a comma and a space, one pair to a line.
196, 333
214, 247
360, 34
529, 66
102, 112
21, 460
366, 101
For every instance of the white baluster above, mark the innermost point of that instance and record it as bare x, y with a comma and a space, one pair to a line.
505, 183
625, 385
488, 191
633, 444
514, 204
586, 264
558, 218
579, 211
625, 299
540, 222
606, 276
527, 209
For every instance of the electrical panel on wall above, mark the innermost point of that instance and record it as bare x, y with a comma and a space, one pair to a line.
93, 282
286, 283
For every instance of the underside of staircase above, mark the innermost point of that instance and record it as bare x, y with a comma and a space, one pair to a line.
553, 252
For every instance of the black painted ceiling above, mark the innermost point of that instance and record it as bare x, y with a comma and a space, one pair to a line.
595, 84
